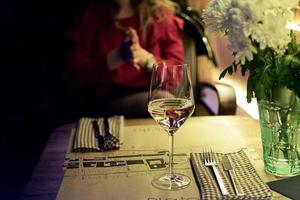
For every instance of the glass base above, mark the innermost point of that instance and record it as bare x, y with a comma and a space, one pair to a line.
281, 167
171, 181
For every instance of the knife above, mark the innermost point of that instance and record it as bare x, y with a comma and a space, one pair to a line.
99, 138
106, 128
227, 167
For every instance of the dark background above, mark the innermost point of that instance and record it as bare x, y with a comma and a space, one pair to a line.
32, 90
31, 85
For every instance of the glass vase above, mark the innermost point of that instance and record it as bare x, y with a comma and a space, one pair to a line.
280, 131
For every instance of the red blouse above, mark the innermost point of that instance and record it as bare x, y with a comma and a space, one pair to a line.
96, 36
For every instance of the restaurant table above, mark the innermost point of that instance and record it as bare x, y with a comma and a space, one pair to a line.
221, 133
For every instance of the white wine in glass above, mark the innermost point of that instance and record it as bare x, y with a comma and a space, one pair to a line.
171, 103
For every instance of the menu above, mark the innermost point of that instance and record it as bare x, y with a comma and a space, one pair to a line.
121, 175
127, 173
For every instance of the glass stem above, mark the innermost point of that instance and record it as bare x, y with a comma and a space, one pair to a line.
171, 145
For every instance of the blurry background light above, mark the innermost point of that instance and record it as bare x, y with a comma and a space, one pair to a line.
295, 23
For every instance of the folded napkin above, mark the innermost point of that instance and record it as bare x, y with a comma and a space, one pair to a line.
245, 174
87, 136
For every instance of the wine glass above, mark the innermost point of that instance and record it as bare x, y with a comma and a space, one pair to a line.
171, 103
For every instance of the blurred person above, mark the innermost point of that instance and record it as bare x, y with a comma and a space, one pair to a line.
114, 47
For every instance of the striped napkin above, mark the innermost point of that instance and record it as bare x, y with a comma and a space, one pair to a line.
85, 136
245, 174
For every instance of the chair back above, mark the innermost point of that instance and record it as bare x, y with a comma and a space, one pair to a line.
196, 44
190, 56
191, 59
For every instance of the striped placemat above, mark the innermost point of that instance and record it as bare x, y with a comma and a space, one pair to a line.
245, 174
85, 139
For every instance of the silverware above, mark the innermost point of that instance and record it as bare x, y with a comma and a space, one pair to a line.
110, 141
99, 138
227, 167
209, 161
106, 128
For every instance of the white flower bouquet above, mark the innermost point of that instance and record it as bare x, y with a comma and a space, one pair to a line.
259, 41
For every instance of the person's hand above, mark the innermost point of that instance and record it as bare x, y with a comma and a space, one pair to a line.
139, 55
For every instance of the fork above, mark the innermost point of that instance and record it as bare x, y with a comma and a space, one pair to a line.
209, 161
